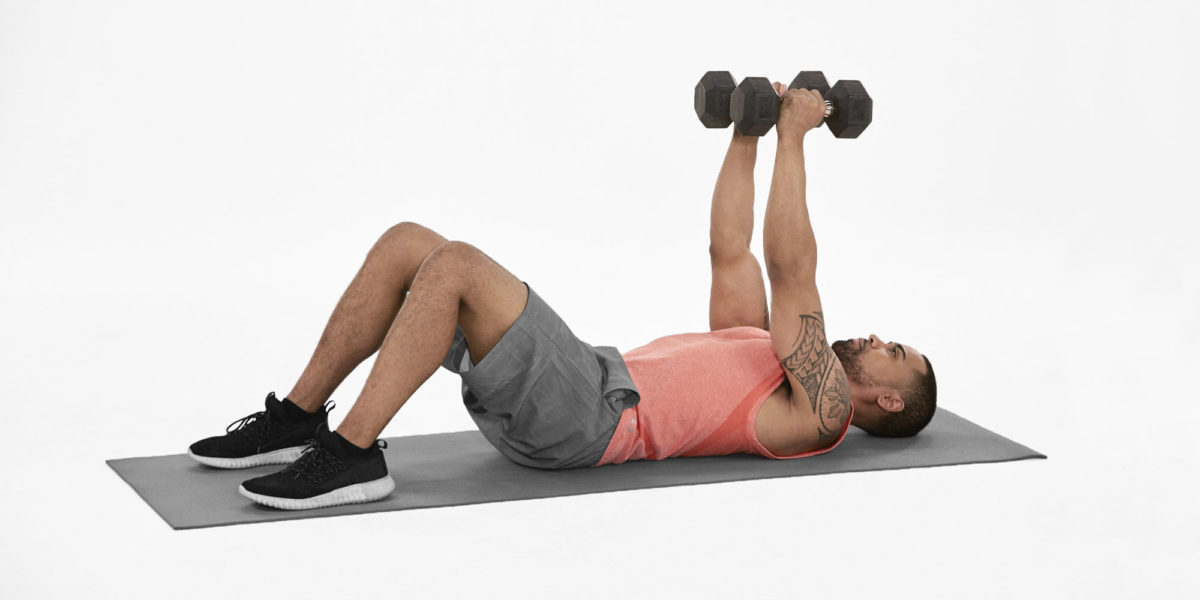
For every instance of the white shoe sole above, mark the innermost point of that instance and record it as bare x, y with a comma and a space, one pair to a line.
351, 494
277, 457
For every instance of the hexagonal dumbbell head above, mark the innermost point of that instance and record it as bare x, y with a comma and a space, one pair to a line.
712, 98
851, 109
754, 106
811, 80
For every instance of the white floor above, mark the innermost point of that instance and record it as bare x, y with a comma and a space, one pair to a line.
186, 190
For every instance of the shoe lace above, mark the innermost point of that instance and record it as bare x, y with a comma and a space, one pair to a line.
255, 426
259, 427
315, 464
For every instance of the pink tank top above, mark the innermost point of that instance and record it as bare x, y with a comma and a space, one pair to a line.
700, 394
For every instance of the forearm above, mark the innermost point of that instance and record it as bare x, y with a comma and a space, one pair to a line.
789, 247
732, 222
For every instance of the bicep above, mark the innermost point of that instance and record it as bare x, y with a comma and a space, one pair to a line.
739, 296
816, 376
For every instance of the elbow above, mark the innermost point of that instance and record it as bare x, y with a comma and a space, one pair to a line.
794, 272
721, 249
792, 266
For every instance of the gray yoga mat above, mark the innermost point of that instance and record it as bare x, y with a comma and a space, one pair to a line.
449, 469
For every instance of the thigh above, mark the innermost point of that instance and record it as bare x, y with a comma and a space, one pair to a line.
491, 298
543, 397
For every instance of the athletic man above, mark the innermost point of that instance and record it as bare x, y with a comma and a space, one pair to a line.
755, 383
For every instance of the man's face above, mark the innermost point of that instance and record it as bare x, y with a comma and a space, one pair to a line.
872, 362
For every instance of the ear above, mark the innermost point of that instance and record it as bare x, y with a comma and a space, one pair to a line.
890, 401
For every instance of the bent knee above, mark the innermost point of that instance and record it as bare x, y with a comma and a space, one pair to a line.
408, 237
454, 253
408, 230
451, 263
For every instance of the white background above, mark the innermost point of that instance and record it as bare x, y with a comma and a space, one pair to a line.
188, 187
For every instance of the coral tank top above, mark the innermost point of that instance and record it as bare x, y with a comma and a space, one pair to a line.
700, 394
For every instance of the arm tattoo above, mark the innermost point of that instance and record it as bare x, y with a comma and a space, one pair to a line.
813, 362
835, 403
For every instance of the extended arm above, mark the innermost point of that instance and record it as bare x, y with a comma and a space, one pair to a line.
789, 246
820, 390
732, 222
739, 296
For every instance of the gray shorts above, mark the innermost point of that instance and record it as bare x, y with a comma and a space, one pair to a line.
544, 398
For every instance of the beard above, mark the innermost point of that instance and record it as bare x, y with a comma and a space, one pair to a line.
849, 354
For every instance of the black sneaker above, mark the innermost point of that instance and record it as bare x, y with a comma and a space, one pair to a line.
331, 471
273, 436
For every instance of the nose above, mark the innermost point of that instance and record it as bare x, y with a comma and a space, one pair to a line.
873, 339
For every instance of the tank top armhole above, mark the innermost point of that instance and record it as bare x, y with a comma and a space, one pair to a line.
767, 453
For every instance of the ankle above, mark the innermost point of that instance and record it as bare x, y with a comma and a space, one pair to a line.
294, 412
306, 403
355, 439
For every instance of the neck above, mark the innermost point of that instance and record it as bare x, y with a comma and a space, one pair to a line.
863, 416
859, 419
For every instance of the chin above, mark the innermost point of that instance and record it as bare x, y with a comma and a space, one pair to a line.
847, 354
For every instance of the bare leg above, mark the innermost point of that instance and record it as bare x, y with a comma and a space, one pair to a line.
456, 285
366, 311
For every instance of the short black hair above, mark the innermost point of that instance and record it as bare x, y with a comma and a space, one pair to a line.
920, 401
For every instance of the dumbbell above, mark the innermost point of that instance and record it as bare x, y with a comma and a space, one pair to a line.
847, 104
753, 106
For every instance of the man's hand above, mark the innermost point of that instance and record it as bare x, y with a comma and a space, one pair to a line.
799, 111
